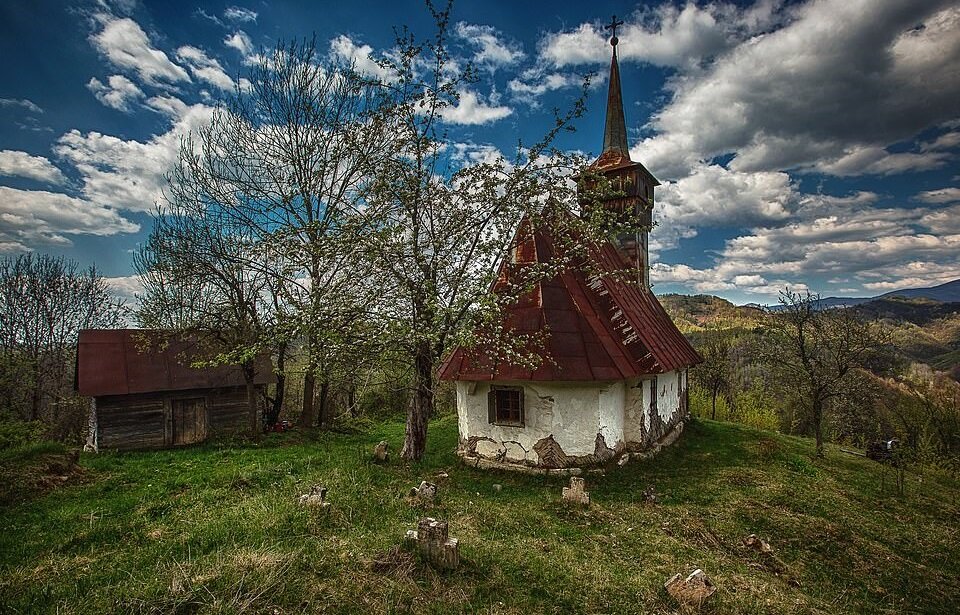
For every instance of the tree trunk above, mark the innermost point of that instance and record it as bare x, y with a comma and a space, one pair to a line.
281, 383
352, 398
817, 425
252, 406
324, 404
307, 415
713, 412
420, 407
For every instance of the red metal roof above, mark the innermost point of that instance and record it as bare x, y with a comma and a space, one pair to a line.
124, 361
598, 328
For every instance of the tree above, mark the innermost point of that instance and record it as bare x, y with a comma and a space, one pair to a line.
437, 226
44, 303
714, 374
815, 352
280, 168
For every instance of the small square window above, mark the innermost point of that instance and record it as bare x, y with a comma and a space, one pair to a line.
505, 406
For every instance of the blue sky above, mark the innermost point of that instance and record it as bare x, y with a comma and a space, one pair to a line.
804, 143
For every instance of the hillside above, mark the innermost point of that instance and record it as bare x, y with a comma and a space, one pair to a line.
945, 293
217, 529
698, 312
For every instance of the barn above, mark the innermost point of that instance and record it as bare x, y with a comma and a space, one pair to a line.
145, 395
613, 378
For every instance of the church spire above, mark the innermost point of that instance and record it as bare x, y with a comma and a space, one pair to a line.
615, 130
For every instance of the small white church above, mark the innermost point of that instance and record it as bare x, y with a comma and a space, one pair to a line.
616, 378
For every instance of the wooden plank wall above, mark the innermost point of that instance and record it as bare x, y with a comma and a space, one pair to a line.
143, 421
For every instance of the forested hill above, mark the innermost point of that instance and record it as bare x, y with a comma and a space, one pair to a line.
698, 312
924, 330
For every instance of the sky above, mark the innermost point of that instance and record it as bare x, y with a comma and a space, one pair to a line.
804, 144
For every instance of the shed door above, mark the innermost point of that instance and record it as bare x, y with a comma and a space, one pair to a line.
189, 420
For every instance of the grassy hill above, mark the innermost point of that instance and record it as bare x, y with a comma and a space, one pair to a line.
217, 529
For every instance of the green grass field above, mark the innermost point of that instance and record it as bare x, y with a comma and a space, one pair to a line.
217, 529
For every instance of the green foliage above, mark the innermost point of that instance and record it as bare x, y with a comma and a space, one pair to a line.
15, 432
216, 529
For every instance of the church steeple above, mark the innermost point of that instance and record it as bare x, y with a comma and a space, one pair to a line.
615, 130
632, 182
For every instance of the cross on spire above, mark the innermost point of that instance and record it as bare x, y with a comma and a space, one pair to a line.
613, 30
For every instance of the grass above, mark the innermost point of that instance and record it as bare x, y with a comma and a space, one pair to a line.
216, 529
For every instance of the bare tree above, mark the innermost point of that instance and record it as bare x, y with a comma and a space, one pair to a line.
44, 303
282, 164
815, 351
714, 374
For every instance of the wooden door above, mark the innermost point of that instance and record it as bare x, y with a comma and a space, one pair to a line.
189, 420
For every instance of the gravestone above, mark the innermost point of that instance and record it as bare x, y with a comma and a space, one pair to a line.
432, 540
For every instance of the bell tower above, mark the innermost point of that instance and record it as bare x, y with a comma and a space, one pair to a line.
631, 181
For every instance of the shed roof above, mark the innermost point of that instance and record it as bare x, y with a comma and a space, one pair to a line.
599, 327
125, 361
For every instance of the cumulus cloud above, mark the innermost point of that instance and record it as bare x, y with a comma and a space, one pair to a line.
124, 43
240, 41
829, 91
118, 93
471, 110
125, 287
36, 217
942, 195
129, 174
493, 50
21, 164
204, 68
361, 57
667, 35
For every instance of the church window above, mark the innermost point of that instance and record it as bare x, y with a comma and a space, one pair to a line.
505, 406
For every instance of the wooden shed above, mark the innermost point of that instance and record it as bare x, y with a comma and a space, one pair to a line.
146, 395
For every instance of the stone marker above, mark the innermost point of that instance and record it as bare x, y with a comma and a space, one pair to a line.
426, 493
693, 590
432, 540
380, 452
498, 487
757, 544
575, 494
316, 497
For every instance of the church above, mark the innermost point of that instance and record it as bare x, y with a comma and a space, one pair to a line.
614, 378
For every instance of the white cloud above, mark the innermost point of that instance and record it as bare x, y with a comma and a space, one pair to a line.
36, 217
942, 195
829, 91
118, 93
470, 110
21, 164
239, 14
129, 175
125, 287
667, 35
127, 46
493, 50
532, 83
360, 57
204, 67
26, 103
240, 41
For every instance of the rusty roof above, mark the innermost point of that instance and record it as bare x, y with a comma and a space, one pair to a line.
125, 361
598, 328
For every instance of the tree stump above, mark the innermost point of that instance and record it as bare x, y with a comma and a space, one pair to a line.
575, 494
433, 542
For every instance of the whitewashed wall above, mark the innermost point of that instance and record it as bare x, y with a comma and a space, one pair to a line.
636, 421
573, 413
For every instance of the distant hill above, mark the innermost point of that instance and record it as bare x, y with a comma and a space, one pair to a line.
948, 292
698, 312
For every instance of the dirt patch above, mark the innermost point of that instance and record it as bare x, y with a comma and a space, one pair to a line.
24, 479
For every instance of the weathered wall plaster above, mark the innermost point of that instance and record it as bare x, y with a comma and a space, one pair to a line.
569, 423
